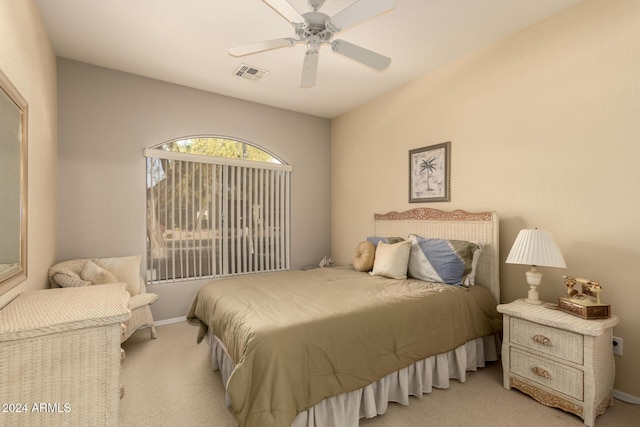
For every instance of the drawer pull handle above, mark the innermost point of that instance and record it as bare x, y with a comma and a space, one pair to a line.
541, 372
541, 339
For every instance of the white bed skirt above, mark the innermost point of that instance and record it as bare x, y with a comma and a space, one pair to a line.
346, 409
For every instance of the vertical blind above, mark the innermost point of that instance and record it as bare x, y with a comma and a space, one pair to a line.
211, 216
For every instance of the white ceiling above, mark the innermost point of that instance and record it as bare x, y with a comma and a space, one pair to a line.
186, 41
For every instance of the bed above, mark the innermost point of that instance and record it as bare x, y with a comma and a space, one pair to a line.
329, 346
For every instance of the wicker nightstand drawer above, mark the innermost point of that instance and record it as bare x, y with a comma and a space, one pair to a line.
552, 341
550, 374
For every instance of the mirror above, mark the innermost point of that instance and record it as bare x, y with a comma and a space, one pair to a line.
13, 185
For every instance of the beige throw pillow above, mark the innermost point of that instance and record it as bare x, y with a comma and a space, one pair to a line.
392, 260
363, 256
96, 274
126, 269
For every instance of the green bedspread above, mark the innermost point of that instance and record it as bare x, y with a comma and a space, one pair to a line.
298, 337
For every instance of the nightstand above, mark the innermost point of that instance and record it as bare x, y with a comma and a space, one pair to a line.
559, 359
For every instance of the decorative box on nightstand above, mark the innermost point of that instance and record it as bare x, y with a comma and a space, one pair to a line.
559, 359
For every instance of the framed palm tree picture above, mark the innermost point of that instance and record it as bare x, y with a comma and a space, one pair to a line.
430, 173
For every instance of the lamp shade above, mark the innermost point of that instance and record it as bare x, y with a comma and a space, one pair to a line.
536, 247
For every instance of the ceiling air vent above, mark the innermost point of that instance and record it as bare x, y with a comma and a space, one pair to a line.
249, 72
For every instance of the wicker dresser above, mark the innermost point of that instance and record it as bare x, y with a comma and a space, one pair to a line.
559, 359
60, 356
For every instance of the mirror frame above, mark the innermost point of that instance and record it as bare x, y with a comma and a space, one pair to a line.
13, 278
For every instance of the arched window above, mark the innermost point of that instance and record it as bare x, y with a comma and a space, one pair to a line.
215, 207
219, 147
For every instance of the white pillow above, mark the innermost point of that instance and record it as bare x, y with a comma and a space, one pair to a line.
96, 274
126, 269
66, 281
392, 260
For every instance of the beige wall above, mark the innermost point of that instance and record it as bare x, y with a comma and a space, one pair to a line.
28, 60
545, 131
108, 117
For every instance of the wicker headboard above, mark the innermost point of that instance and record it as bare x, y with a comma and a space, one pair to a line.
479, 227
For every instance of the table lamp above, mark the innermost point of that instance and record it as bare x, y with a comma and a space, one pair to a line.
535, 248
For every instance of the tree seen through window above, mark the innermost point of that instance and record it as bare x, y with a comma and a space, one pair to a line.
209, 217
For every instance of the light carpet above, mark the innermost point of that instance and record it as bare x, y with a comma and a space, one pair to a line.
169, 382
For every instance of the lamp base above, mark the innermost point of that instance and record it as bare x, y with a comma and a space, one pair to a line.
534, 278
532, 296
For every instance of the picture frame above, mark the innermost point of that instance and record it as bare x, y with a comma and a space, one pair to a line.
430, 173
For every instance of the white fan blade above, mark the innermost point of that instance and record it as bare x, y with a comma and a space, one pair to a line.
309, 69
286, 9
360, 11
261, 46
360, 54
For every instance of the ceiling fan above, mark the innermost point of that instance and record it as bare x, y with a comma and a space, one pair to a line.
315, 29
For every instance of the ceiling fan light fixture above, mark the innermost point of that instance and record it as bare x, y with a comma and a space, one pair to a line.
315, 28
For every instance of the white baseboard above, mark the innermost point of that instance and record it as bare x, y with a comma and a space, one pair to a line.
170, 321
625, 397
